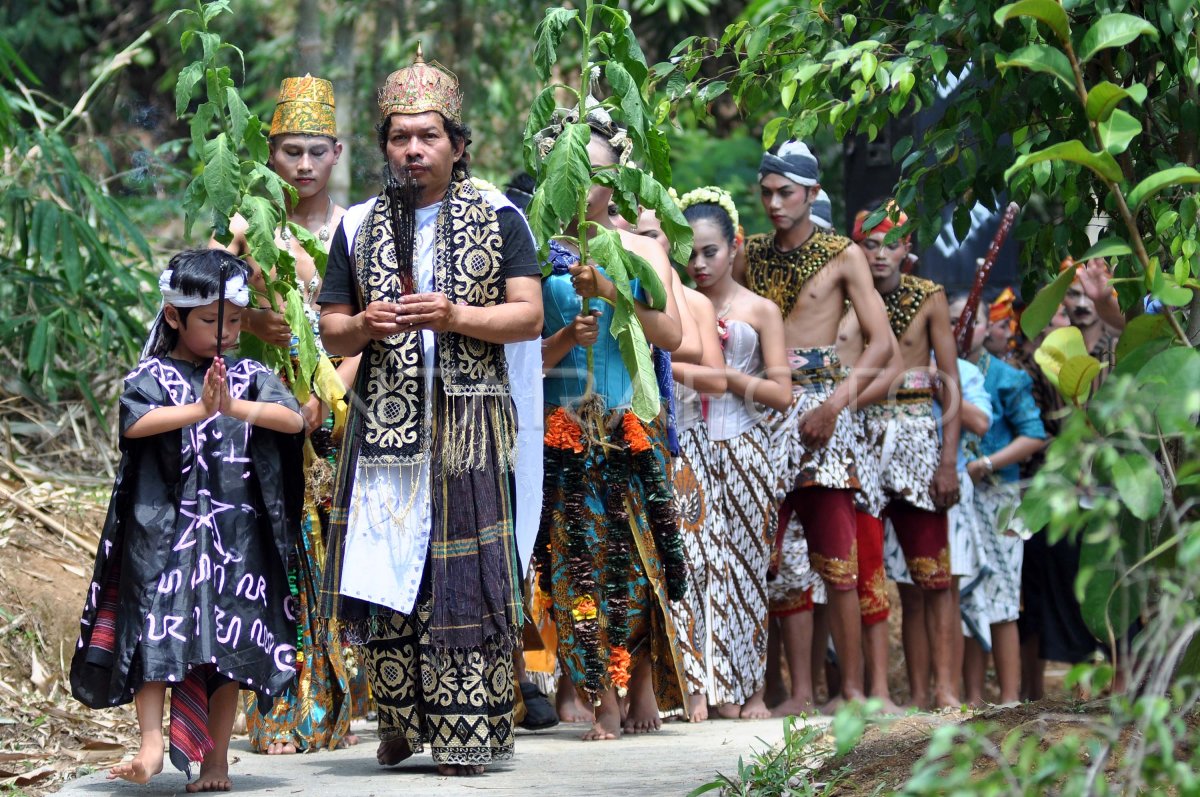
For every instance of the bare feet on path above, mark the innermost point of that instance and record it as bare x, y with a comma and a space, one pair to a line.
755, 708
349, 740
459, 770
607, 726
697, 707
795, 707
281, 748
214, 776
887, 707
942, 699
146, 764
568, 705
729, 711
392, 752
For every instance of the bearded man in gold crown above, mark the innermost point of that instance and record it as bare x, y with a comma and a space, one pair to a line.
428, 281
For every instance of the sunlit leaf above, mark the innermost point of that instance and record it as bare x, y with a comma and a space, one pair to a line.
1139, 485
1048, 12
1178, 175
1113, 30
1102, 163
1040, 58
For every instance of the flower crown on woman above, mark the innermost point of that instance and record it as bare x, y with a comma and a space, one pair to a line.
712, 195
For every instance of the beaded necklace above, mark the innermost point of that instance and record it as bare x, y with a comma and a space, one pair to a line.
781, 276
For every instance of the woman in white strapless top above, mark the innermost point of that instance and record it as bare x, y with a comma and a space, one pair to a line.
744, 500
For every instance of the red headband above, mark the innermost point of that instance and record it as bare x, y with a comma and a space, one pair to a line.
885, 226
1002, 308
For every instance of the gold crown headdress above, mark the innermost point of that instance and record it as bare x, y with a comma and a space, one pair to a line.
305, 106
420, 88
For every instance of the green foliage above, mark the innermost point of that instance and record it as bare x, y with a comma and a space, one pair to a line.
1021, 72
778, 771
73, 265
564, 173
222, 127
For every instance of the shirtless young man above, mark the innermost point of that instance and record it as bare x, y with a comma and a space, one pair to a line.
810, 275
918, 471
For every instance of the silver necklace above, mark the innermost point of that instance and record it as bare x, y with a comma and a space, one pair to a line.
322, 234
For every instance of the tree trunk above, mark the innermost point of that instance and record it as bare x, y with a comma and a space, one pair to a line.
342, 73
309, 51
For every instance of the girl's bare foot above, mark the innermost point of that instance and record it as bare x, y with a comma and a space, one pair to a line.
349, 740
795, 707
729, 711
698, 707
459, 770
146, 764
392, 752
568, 705
755, 708
214, 776
281, 748
608, 723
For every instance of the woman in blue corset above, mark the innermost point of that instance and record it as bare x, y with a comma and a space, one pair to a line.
609, 554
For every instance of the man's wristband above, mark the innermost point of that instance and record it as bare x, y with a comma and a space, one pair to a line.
987, 463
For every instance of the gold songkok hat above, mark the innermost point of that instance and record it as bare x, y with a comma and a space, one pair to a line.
306, 107
421, 88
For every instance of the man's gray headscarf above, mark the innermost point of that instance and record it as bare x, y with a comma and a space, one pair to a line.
794, 161
822, 211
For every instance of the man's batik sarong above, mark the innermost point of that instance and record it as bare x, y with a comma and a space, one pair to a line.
460, 704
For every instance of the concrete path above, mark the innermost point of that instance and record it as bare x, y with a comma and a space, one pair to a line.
671, 762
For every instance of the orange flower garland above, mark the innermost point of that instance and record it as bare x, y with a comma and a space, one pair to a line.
618, 670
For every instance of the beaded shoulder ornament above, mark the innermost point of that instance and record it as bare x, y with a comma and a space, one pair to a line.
906, 301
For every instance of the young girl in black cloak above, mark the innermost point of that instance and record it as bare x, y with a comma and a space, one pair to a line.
190, 589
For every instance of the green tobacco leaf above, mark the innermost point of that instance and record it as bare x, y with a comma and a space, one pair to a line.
633, 108
1118, 130
1074, 151
675, 226
1040, 58
1043, 307
658, 153
1138, 484
1104, 96
214, 8
309, 243
239, 114
1113, 30
1178, 175
201, 126
625, 47
1108, 247
189, 76
539, 116
256, 142
549, 33
566, 175
306, 347
606, 250
261, 219
222, 175
1046, 11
